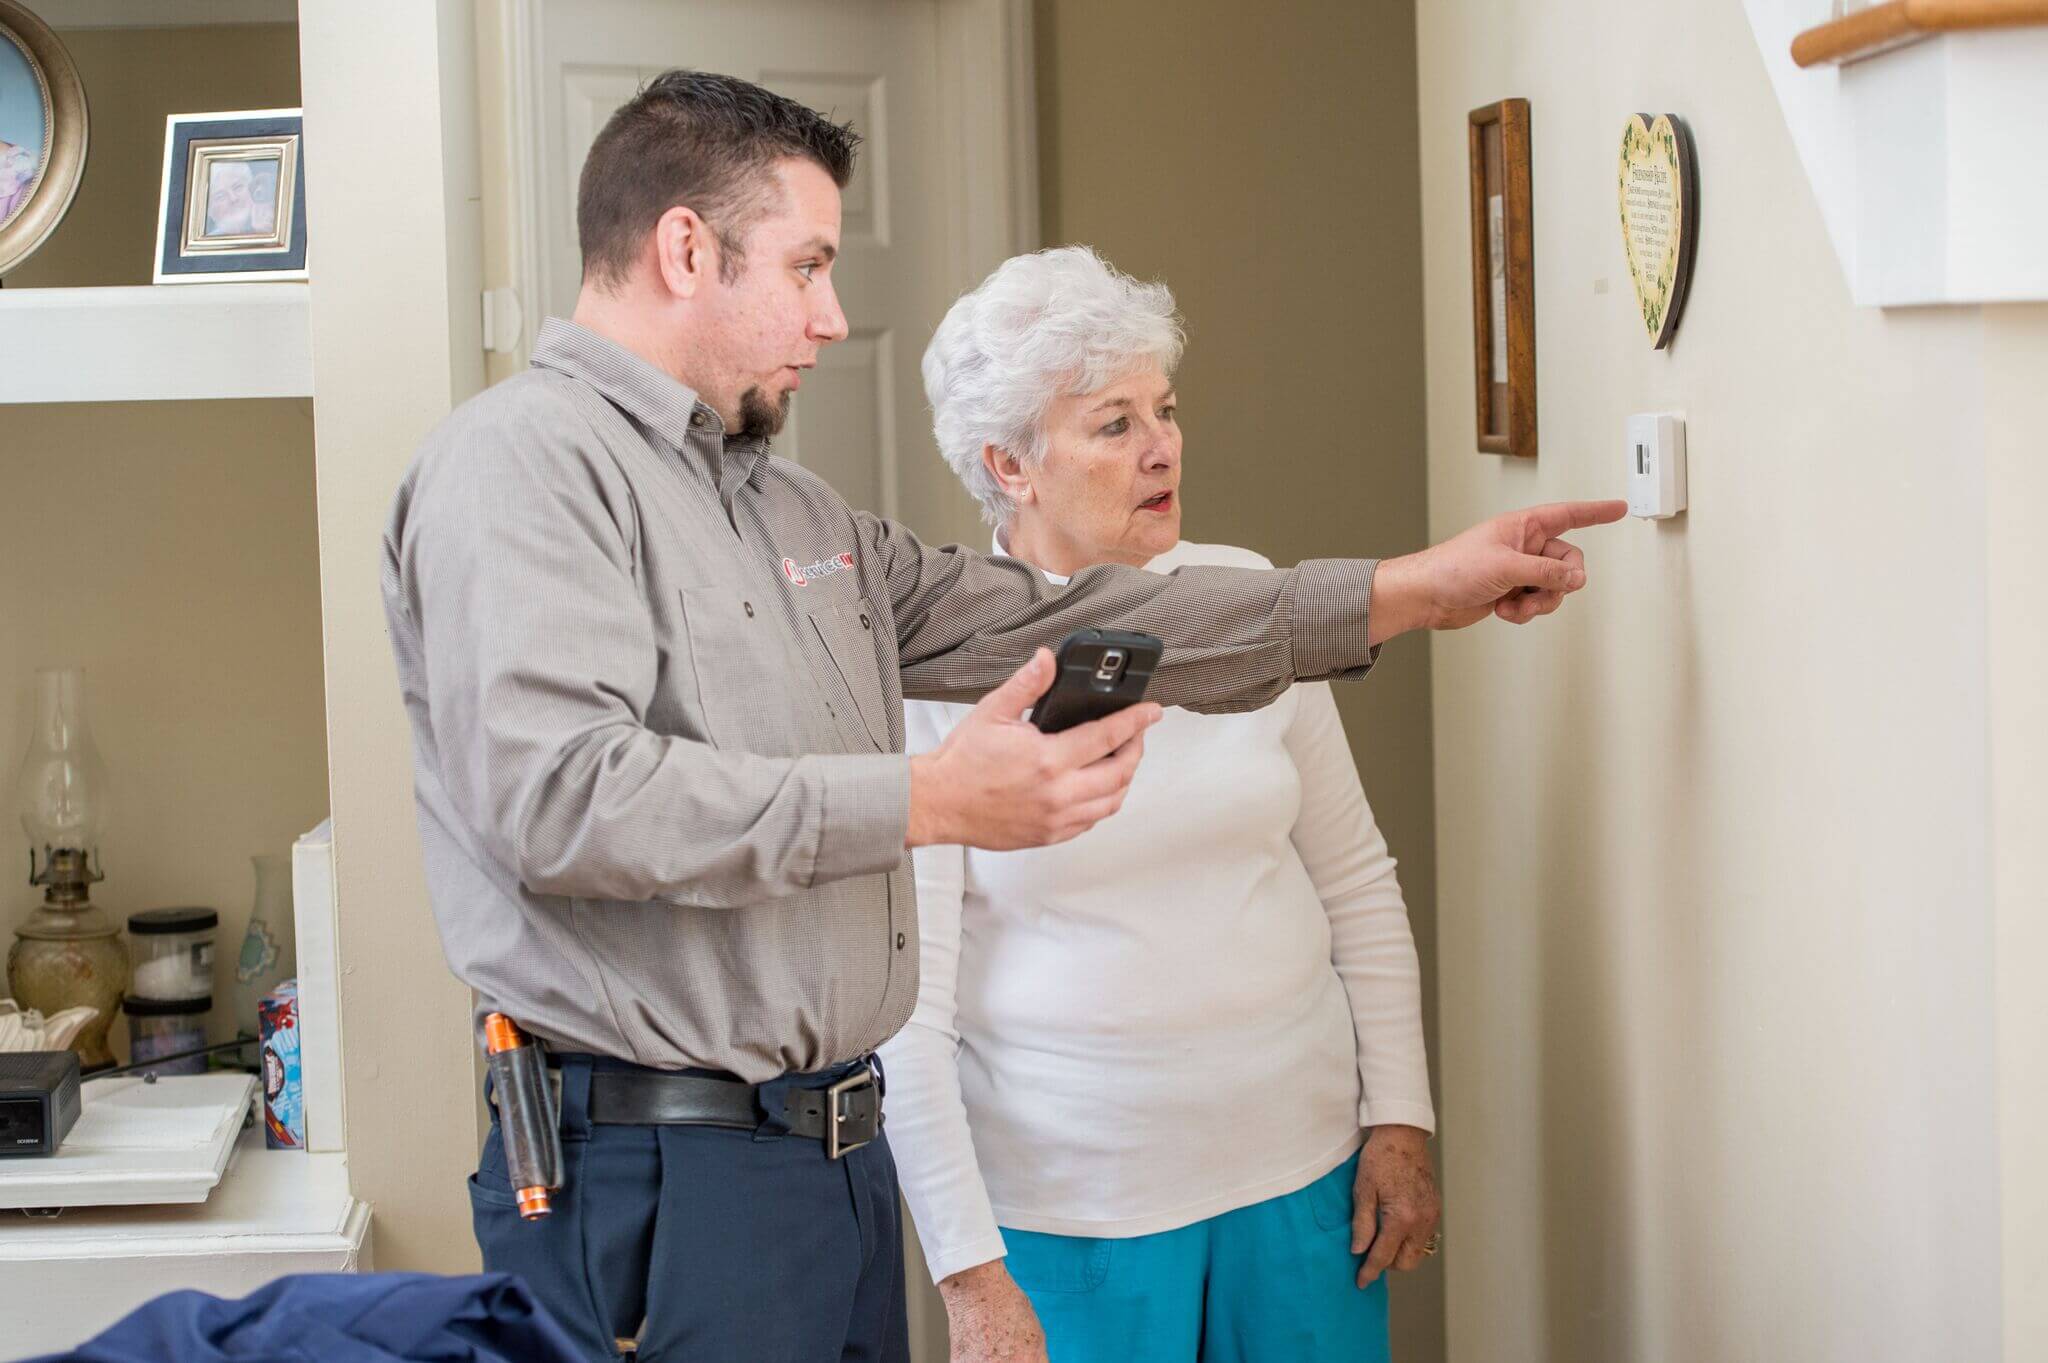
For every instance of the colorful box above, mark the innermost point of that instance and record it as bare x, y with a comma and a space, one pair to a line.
284, 1101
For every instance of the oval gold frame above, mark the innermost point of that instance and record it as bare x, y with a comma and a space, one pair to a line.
65, 167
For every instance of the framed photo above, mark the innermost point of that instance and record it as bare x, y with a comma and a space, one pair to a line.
234, 198
1503, 279
42, 133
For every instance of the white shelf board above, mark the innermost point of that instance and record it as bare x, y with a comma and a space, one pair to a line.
137, 1142
155, 342
71, 14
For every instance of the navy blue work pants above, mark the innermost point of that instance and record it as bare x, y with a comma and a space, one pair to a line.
710, 1245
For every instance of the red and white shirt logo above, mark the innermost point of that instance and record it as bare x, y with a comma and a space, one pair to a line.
824, 567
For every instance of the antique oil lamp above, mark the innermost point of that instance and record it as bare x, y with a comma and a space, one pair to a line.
68, 953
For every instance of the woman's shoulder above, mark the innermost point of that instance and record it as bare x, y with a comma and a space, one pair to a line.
1190, 554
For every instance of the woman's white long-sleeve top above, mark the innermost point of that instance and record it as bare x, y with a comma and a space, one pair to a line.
1194, 1006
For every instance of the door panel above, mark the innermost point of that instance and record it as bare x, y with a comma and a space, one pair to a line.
872, 62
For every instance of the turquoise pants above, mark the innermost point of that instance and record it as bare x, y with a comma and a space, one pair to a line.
1275, 1282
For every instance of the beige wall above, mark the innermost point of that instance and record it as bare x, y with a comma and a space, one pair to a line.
1265, 167
2016, 489
168, 548
1717, 942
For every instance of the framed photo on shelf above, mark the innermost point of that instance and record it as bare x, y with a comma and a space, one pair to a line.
42, 133
234, 198
1503, 279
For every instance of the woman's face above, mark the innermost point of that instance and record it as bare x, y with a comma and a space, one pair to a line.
1108, 489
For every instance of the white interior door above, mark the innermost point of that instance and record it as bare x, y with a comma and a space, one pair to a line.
908, 242
945, 188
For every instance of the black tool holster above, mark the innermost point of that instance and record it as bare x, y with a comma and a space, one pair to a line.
527, 1118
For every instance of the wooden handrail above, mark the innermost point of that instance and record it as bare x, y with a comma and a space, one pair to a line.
1882, 27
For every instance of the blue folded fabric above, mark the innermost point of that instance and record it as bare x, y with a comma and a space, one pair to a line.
340, 1318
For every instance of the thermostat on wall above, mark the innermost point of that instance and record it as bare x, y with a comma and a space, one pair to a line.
1656, 464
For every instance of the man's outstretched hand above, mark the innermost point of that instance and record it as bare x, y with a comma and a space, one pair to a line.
997, 782
1516, 566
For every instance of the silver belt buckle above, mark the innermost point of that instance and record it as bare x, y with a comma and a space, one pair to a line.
835, 1146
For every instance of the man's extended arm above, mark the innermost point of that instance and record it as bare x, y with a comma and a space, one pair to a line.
1235, 637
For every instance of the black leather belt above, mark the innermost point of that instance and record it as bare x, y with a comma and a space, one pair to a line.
845, 1116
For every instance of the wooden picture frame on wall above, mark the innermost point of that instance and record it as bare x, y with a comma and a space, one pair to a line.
1503, 279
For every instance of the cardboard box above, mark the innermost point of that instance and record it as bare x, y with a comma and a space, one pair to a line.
284, 1098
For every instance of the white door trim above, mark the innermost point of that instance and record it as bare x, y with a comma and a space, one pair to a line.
988, 99
519, 89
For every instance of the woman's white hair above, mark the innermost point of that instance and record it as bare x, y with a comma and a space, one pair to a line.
1045, 325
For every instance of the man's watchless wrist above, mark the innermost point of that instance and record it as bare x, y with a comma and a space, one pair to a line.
923, 826
1394, 602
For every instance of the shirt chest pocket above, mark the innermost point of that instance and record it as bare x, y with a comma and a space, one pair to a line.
739, 666
848, 633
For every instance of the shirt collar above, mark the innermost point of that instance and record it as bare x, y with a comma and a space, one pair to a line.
665, 405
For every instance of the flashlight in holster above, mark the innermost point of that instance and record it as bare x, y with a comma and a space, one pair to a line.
526, 1114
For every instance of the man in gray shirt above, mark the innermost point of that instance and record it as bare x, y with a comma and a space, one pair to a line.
655, 677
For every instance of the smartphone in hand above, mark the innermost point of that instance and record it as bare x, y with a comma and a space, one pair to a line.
1098, 673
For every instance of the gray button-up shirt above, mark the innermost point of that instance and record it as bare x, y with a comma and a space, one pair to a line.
656, 679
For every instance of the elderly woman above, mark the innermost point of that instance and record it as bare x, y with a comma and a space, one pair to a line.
1129, 1109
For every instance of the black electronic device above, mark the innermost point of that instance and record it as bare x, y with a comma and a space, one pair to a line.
1100, 671
38, 1101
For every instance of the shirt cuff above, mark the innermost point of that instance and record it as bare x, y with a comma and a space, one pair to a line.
866, 816
1396, 1112
1332, 599
959, 1258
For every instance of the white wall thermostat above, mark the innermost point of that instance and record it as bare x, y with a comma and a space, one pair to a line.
1656, 464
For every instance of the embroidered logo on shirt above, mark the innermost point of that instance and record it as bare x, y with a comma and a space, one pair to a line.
824, 567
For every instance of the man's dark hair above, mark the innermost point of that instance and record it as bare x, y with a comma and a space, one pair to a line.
702, 141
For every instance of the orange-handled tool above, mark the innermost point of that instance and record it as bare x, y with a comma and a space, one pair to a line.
526, 1114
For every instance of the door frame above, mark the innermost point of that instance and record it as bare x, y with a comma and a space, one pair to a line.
988, 127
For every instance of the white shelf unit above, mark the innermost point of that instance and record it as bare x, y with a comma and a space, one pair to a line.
273, 1212
155, 343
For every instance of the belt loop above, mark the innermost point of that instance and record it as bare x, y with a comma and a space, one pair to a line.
774, 1096
575, 1072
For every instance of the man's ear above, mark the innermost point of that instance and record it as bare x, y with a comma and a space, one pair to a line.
1009, 473
685, 251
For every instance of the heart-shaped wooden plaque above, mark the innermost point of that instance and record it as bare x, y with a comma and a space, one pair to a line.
1658, 186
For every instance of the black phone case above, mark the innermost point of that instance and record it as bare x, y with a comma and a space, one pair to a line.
1078, 695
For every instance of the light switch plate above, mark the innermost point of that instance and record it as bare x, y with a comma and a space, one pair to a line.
1655, 449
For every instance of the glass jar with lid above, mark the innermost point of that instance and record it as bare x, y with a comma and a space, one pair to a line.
160, 1027
173, 951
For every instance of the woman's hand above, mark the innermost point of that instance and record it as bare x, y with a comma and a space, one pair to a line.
1394, 1203
989, 1317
